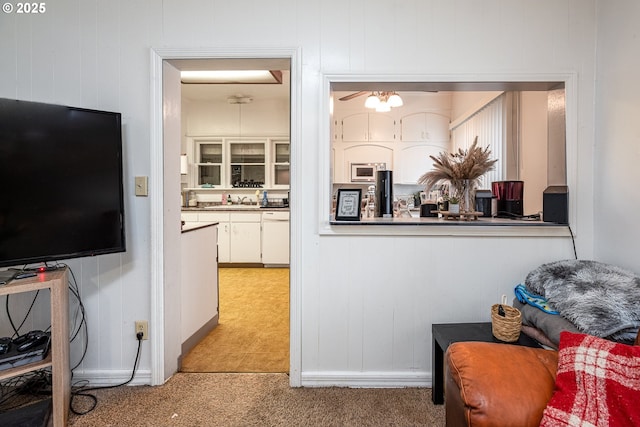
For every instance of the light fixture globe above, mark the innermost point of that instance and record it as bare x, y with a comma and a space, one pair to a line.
372, 101
395, 100
383, 107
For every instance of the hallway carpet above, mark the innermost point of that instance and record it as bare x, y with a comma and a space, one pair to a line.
253, 330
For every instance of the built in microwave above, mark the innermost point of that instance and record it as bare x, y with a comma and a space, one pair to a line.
365, 172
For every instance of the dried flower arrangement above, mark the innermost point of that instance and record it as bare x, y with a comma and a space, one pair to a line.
456, 168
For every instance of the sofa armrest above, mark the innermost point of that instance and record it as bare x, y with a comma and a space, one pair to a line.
498, 384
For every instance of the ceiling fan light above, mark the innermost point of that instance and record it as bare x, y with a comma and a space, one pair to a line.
395, 100
372, 101
383, 107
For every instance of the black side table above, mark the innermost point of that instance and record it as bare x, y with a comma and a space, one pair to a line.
445, 334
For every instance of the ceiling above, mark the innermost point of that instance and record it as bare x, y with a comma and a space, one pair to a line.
206, 92
282, 91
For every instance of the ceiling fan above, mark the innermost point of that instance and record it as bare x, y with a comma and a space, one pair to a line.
381, 101
354, 95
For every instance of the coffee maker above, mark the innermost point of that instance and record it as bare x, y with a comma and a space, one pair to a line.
509, 195
384, 194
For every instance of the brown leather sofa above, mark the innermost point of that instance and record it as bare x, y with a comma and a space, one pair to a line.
498, 385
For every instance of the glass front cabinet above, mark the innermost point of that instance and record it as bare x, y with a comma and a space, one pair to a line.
226, 163
209, 163
247, 163
280, 163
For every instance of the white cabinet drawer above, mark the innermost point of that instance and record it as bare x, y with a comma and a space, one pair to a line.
189, 216
246, 217
213, 216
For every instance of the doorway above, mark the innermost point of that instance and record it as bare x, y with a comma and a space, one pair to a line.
165, 346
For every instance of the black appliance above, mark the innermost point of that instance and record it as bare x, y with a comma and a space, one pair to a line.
484, 202
509, 195
62, 182
555, 204
384, 194
428, 210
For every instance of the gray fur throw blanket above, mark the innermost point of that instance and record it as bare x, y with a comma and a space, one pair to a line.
599, 299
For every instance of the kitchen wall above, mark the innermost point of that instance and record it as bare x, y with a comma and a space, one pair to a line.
367, 302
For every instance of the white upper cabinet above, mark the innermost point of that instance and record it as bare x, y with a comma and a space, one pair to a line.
425, 127
413, 161
235, 162
363, 127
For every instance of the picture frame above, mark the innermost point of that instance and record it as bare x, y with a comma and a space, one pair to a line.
348, 204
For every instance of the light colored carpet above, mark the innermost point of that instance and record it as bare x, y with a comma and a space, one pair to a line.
253, 330
244, 400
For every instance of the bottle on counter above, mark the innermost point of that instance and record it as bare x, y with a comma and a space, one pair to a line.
193, 199
265, 200
229, 200
224, 199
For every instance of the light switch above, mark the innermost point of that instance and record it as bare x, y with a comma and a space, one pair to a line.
142, 186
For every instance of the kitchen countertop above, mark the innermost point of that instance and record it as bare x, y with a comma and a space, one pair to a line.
242, 208
443, 221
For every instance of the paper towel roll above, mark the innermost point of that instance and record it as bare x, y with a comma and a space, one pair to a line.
184, 164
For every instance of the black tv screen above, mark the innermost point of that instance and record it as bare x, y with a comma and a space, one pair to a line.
61, 183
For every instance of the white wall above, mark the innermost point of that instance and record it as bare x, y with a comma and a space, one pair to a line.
267, 117
367, 304
617, 141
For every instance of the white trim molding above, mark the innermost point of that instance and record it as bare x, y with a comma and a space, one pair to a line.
367, 379
158, 55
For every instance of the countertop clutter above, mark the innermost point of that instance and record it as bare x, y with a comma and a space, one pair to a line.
445, 221
237, 207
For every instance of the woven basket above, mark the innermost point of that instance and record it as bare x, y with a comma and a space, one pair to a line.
506, 328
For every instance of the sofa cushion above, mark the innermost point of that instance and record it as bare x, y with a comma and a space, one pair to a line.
501, 384
597, 383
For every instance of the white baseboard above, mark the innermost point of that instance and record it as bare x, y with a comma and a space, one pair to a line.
101, 378
97, 378
366, 379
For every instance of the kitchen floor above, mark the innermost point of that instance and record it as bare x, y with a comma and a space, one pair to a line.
253, 330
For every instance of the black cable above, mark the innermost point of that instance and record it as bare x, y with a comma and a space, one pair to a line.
94, 399
573, 240
16, 330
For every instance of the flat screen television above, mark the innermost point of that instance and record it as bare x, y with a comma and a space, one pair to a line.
61, 183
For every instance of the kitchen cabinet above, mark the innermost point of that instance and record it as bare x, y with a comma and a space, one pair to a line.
372, 127
237, 162
209, 161
413, 160
257, 236
247, 161
280, 163
424, 127
347, 153
224, 230
275, 238
199, 284
245, 239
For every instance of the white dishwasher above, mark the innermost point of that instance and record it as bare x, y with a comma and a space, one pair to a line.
275, 238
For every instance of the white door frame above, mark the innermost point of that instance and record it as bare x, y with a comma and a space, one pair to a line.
157, 200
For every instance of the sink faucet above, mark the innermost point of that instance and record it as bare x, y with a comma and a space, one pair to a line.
241, 200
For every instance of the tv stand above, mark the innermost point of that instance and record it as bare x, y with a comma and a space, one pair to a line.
58, 358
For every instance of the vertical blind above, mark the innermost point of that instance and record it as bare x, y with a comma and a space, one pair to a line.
488, 124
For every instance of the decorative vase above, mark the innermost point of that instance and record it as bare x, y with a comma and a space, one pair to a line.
454, 208
467, 196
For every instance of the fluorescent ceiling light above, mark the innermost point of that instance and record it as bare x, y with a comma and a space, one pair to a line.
231, 76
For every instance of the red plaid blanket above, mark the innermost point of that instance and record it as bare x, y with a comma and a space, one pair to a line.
597, 384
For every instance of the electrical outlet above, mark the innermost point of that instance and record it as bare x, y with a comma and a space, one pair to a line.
142, 326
